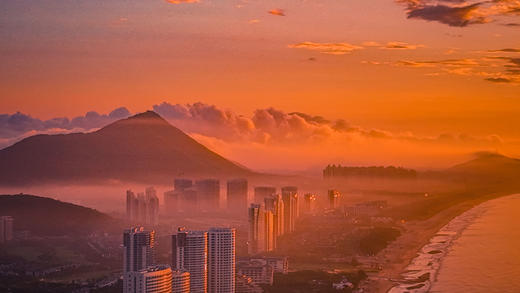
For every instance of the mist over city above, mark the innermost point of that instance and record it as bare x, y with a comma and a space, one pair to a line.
243, 146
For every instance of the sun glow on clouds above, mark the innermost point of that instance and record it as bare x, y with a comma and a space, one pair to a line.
270, 137
181, 1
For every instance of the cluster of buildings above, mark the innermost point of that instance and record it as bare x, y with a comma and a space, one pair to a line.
204, 195
202, 261
6, 228
142, 208
272, 214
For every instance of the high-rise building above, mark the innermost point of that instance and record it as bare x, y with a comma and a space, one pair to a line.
269, 238
290, 203
309, 203
274, 204
189, 200
237, 194
142, 209
255, 243
138, 249
334, 197
221, 260
131, 206
152, 206
180, 184
208, 193
190, 253
180, 282
262, 192
153, 279
6, 228
171, 201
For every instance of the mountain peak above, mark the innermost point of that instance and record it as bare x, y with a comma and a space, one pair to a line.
141, 148
146, 115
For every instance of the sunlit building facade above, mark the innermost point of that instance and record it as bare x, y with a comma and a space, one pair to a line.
334, 197
153, 279
180, 282
221, 260
291, 211
190, 253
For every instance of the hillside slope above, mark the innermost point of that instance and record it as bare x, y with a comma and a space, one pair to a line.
143, 148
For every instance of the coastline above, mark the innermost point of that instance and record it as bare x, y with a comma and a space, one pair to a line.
400, 254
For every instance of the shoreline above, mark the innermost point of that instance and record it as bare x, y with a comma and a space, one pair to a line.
401, 253
422, 271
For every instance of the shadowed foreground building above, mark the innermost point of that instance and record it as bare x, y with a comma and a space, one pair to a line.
138, 255
139, 248
154, 279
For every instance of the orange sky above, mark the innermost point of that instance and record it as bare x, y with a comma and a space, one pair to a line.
427, 67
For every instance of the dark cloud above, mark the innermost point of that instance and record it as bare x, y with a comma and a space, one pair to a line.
499, 79
506, 50
460, 13
452, 16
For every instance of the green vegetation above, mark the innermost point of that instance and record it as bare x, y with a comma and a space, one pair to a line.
377, 239
44, 216
313, 281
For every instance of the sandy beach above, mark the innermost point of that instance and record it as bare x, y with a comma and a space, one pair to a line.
399, 254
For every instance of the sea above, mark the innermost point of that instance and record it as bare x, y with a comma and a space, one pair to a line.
478, 251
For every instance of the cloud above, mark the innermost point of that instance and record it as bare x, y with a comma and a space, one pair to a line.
452, 16
499, 79
327, 48
278, 12
401, 45
344, 48
181, 1
18, 124
506, 50
497, 69
460, 13
270, 135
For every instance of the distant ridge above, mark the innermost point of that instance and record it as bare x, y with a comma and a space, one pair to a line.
44, 216
143, 148
488, 166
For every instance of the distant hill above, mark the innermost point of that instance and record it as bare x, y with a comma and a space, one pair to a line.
48, 217
488, 167
144, 148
